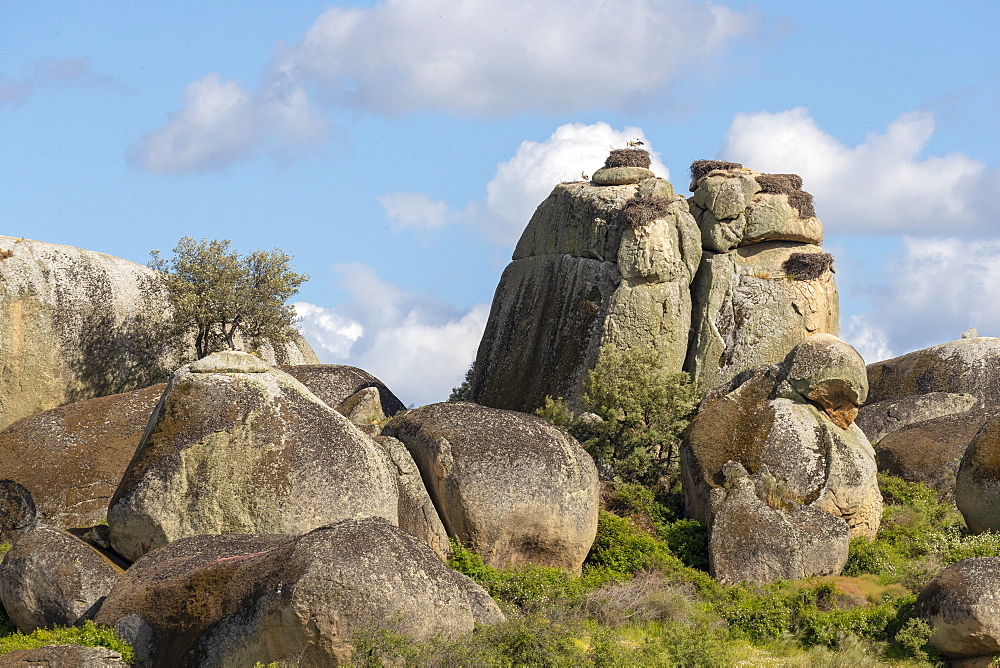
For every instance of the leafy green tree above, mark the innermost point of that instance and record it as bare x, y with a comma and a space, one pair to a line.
217, 293
638, 411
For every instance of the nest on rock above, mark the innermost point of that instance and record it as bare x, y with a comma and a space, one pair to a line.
807, 266
628, 157
791, 185
641, 211
701, 167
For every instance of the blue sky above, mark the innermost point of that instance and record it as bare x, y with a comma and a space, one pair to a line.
397, 148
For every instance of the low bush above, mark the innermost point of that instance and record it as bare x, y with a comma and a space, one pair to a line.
88, 635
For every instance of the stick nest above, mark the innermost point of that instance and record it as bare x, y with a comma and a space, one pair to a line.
791, 185
701, 167
641, 211
807, 266
628, 157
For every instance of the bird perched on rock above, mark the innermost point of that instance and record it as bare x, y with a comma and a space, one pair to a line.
583, 175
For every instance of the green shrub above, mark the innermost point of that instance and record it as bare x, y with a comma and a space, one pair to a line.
88, 635
688, 541
621, 549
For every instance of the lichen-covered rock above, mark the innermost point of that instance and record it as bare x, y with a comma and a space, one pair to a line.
882, 418
766, 417
417, 514
977, 487
18, 514
757, 535
235, 446
931, 451
512, 486
748, 311
584, 280
620, 176
969, 366
831, 374
962, 605
72, 458
75, 324
335, 384
63, 656
232, 600
51, 578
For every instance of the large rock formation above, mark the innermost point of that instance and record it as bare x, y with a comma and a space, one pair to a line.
512, 486
72, 458
236, 446
51, 578
599, 267
764, 283
962, 605
75, 324
881, 418
795, 418
235, 600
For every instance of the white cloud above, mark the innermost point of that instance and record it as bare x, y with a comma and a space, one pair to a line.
521, 183
221, 123
869, 340
414, 210
418, 346
881, 186
934, 290
482, 56
66, 71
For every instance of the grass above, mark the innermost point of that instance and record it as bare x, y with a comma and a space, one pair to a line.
88, 635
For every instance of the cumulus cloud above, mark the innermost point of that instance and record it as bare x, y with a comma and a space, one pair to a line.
487, 57
221, 123
521, 183
934, 290
881, 186
417, 345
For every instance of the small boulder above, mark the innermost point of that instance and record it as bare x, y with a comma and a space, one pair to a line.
236, 446
229, 600
977, 487
881, 418
962, 605
515, 488
72, 458
335, 384
63, 656
969, 366
757, 535
51, 578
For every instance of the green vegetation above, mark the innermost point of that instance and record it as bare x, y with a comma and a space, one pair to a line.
217, 293
641, 410
88, 635
464, 391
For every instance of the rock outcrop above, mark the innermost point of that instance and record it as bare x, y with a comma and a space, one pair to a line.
343, 388
513, 487
880, 418
51, 578
795, 418
18, 514
72, 458
76, 324
231, 600
599, 267
63, 656
236, 446
758, 536
977, 487
962, 605
764, 283
966, 366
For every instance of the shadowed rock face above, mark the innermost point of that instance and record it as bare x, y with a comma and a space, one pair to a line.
335, 383
977, 487
512, 486
51, 578
583, 280
72, 458
231, 600
766, 417
236, 446
961, 604
75, 324
880, 418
